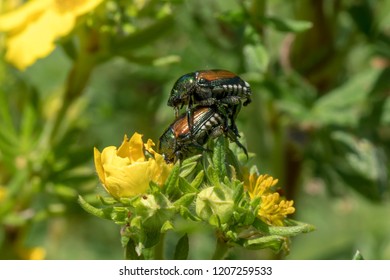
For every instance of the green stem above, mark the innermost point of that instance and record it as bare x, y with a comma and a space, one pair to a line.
257, 11
130, 253
221, 249
77, 81
159, 249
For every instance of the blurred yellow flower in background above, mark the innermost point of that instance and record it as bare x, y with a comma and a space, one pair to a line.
35, 253
127, 171
3, 193
33, 28
273, 210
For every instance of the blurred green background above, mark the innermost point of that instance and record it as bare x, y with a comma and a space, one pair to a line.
319, 120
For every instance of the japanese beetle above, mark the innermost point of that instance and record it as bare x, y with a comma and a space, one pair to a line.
209, 87
178, 142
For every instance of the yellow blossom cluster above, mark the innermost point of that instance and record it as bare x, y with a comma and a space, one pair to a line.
273, 209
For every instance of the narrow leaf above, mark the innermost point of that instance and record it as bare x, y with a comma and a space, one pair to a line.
182, 248
185, 200
219, 158
92, 210
186, 187
273, 242
171, 183
287, 25
198, 180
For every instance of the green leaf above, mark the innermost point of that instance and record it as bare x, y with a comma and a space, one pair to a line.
273, 242
130, 249
357, 256
213, 176
198, 180
65, 191
186, 214
119, 215
187, 169
344, 105
143, 37
166, 60
238, 192
190, 160
166, 227
5, 115
360, 164
292, 228
28, 126
171, 183
186, 187
287, 25
256, 58
182, 248
107, 200
185, 200
93, 210
219, 158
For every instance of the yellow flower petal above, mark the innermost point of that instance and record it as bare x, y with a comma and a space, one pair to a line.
22, 15
127, 181
272, 209
34, 27
80, 7
132, 149
136, 148
125, 172
162, 169
110, 157
98, 165
123, 150
39, 37
149, 146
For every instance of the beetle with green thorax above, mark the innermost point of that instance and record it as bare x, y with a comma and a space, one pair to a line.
177, 142
209, 87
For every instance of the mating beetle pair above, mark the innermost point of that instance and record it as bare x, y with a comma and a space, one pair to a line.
210, 87
218, 95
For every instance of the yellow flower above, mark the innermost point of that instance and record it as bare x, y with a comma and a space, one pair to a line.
35, 253
33, 28
3, 193
126, 171
273, 210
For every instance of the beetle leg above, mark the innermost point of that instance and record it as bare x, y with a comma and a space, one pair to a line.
190, 116
176, 112
208, 102
234, 112
233, 137
196, 145
231, 100
247, 101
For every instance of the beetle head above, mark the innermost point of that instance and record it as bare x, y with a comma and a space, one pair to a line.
181, 91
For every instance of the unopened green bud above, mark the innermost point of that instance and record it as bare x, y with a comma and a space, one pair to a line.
215, 202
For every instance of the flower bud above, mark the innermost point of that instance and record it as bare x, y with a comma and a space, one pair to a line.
214, 201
